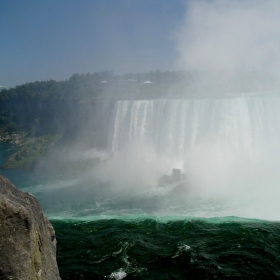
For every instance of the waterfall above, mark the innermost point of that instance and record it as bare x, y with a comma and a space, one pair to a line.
242, 124
227, 149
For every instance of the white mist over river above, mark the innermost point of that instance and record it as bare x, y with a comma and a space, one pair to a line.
225, 140
226, 147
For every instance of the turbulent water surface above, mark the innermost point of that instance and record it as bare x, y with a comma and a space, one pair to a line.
122, 219
175, 249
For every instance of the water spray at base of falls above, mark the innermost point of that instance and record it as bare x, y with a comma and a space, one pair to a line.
226, 148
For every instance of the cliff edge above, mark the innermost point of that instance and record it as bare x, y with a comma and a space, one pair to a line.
27, 238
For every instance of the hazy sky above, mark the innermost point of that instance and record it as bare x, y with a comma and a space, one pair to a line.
53, 39
221, 39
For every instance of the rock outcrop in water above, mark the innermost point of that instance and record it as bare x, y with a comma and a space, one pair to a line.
27, 238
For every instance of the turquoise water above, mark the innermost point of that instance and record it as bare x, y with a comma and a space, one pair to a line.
115, 221
121, 235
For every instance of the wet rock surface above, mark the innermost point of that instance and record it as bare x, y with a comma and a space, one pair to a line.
27, 238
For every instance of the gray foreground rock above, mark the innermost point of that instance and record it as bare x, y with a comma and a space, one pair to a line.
27, 238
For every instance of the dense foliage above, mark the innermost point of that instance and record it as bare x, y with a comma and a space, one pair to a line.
49, 106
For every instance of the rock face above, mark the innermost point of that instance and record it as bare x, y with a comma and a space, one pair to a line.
27, 238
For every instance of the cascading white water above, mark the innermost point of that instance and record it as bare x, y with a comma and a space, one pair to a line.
242, 124
228, 147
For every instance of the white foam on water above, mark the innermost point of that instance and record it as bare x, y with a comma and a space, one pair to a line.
118, 275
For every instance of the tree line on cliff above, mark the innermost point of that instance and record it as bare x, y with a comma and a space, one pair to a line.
43, 106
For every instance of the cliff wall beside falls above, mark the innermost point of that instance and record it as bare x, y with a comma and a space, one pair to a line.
27, 238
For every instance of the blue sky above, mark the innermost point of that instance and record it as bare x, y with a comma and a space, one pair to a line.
52, 39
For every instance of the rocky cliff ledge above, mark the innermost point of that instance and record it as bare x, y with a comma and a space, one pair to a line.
27, 238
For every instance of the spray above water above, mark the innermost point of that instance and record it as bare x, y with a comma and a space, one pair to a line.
227, 146
231, 45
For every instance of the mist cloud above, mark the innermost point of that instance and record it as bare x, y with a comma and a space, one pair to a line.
230, 37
